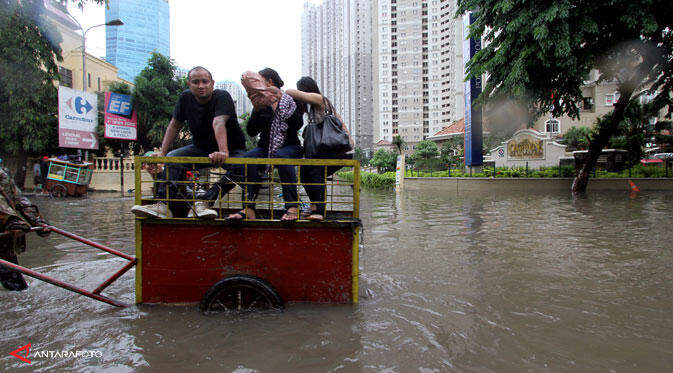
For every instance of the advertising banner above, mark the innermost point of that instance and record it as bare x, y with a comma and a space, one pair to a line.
77, 119
120, 118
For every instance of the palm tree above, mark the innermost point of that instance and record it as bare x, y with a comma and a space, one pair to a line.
399, 143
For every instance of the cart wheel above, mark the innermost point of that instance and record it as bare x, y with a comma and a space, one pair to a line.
241, 293
58, 191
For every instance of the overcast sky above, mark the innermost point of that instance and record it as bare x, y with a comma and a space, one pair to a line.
225, 36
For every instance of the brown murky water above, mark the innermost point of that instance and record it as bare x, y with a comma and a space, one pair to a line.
501, 282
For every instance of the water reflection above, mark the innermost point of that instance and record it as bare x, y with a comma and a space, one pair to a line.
449, 282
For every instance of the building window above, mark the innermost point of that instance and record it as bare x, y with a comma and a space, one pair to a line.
88, 76
66, 77
611, 99
98, 84
552, 126
587, 103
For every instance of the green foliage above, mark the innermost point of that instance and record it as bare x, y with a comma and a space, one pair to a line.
360, 155
28, 98
425, 150
371, 180
399, 143
156, 91
577, 138
250, 142
452, 149
384, 160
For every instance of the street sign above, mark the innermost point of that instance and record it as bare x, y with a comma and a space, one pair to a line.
120, 118
77, 119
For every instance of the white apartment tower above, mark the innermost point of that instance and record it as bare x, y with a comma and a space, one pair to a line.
337, 53
418, 71
241, 101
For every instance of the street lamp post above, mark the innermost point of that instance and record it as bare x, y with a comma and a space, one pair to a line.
114, 22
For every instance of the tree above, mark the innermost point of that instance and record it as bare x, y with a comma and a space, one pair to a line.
452, 149
360, 155
156, 91
399, 143
250, 142
28, 97
543, 52
384, 160
577, 137
425, 150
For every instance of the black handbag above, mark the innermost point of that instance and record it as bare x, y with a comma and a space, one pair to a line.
327, 137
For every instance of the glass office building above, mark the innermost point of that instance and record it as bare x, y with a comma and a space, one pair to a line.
146, 29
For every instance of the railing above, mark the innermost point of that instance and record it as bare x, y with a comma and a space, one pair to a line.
105, 164
340, 198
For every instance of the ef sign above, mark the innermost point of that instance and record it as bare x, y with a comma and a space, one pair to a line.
119, 104
120, 119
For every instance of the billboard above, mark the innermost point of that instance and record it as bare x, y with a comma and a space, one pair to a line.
120, 118
473, 119
77, 119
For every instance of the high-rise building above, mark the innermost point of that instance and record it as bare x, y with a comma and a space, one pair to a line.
146, 29
241, 101
336, 52
418, 70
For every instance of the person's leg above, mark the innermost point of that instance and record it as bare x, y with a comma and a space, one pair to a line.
165, 188
9, 278
176, 171
251, 184
228, 181
288, 176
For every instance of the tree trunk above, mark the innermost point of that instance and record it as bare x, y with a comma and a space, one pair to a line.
606, 130
20, 174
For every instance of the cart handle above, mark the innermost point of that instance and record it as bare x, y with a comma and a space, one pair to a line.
91, 294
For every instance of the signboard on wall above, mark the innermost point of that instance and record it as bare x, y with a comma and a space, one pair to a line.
473, 118
120, 118
525, 147
77, 119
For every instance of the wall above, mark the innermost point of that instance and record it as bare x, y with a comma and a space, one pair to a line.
485, 184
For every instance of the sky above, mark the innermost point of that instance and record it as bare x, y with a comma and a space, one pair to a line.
227, 37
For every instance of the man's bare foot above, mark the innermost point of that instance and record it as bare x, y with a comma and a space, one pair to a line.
246, 213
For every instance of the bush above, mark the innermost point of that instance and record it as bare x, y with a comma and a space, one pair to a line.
371, 180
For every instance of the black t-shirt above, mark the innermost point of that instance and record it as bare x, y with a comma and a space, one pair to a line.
199, 118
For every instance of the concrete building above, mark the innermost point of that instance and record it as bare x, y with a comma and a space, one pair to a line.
243, 104
99, 72
336, 52
146, 29
418, 68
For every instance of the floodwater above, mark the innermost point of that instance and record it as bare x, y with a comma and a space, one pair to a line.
497, 282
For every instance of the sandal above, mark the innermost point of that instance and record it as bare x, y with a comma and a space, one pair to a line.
290, 215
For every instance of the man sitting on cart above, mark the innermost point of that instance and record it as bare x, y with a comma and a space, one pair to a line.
17, 215
211, 117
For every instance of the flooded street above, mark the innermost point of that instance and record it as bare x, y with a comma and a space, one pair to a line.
500, 282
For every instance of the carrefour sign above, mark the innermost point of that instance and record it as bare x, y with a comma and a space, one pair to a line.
77, 119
